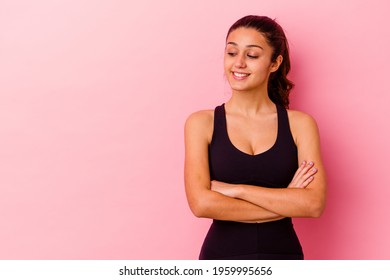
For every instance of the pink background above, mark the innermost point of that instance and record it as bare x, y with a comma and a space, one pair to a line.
94, 95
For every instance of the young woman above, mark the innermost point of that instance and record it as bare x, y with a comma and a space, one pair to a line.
251, 164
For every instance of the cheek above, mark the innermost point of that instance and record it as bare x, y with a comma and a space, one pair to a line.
226, 61
226, 66
260, 67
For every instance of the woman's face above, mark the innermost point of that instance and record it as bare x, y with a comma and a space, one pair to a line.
247, 60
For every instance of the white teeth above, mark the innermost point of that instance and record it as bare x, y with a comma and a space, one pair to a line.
240, 75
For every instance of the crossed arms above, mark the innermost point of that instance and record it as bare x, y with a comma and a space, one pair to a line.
304, 197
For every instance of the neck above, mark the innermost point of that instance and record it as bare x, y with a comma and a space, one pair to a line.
250, 102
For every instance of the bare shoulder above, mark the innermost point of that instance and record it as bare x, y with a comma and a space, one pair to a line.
200, 123
203, 116
299, 118
302, 124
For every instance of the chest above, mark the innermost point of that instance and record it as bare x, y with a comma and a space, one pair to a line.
255, 153
252, 136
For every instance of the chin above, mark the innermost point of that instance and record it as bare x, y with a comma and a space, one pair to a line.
241, 88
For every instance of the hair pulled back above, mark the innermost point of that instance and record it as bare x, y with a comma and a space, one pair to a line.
279, 86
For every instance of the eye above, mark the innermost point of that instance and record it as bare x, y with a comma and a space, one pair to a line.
252, 56
231, 53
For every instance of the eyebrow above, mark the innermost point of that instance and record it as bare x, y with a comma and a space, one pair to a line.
248, 46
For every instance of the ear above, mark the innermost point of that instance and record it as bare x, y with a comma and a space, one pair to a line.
275, 65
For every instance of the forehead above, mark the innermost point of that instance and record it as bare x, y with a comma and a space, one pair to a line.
244, 36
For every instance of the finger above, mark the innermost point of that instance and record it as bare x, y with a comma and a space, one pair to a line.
305, 169
299, 171
302, 170
301, 180
305, 179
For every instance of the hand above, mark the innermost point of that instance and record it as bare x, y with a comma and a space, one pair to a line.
224, 188
304, 175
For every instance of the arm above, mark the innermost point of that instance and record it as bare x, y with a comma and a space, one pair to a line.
202, 200
305, 196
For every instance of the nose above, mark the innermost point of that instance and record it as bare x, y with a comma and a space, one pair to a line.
240, 61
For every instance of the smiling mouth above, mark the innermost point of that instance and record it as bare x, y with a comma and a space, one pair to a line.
240, 75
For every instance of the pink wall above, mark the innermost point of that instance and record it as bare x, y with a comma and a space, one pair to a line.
94, 95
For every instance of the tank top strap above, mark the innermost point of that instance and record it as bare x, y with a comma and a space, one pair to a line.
284, 131
219, 114
220, 128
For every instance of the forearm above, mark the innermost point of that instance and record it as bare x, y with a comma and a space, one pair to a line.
304, 197
214, 205
288, 202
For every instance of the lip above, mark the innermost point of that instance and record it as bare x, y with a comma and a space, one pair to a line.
240, 75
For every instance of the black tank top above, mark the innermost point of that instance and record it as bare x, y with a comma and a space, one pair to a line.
273, 168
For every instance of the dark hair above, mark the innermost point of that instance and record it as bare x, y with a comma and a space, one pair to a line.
279, 86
